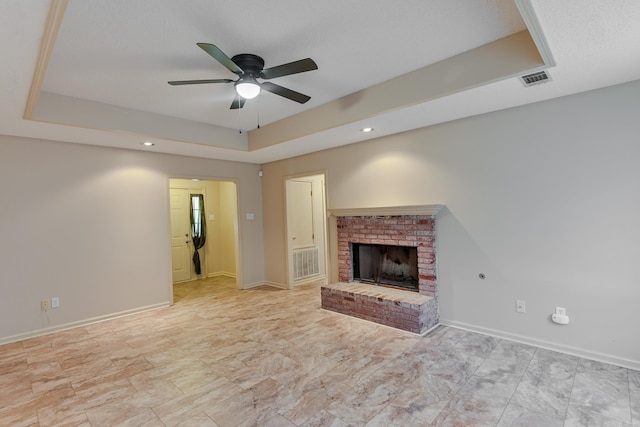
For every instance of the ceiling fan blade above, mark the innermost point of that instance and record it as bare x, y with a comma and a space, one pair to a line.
198, 82
283, 91
238, 102
295, 67
221, 57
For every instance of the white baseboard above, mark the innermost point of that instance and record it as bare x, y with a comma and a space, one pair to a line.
275, 285
282, 285
79, 323
257, 284
573, 351
322, 279
253, 285
431, 329
222, 273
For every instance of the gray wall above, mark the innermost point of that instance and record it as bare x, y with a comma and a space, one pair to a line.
90, 225
544, 199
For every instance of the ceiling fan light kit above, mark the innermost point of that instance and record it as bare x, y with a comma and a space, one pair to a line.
249, 68
247, 87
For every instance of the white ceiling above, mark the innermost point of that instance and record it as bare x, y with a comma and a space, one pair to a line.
123, 52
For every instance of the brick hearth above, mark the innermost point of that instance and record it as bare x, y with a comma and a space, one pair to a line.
392, 307
406, 310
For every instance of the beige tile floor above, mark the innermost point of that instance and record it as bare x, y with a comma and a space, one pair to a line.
268, 357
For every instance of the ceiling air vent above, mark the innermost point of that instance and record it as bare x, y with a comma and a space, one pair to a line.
535, 78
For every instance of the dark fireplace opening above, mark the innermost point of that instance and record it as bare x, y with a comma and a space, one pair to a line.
385, 265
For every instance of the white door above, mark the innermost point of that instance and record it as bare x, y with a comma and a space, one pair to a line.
180, 234
300, 198
305, 210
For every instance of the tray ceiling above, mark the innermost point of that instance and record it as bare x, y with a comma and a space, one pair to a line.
396, 66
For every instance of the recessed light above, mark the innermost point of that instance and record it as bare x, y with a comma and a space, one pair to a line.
365, 130
148, 144
195, 179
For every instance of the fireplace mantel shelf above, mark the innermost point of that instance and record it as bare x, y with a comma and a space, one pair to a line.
388, 211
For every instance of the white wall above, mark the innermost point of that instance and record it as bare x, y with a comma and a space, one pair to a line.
543, 199
228, 201
90, 225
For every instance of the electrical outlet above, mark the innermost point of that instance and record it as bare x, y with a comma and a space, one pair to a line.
55, 302
44, 305
521, 306
561, 310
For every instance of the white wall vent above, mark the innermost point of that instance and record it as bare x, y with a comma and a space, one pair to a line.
535, 78
305, 263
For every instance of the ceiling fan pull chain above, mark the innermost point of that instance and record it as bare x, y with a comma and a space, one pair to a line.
258, 108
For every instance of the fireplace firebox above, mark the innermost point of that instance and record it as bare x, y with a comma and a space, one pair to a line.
386, 265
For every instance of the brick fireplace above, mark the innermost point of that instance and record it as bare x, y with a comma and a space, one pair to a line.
411, 227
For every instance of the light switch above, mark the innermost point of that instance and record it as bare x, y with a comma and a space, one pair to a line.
249, 216
212, 217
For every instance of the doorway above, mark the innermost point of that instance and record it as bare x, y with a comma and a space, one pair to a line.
306, 229
218, 254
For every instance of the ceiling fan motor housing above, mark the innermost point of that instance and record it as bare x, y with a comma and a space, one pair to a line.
250, 64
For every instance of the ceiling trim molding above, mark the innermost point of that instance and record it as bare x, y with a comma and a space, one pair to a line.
65, 110
504, 58
530, 19
49, 36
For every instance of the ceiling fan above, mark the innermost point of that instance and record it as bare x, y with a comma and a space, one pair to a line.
249, 68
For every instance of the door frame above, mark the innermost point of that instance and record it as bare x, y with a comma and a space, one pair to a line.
237, 223
288, 245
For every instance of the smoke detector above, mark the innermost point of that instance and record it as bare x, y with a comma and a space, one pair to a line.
535, 78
